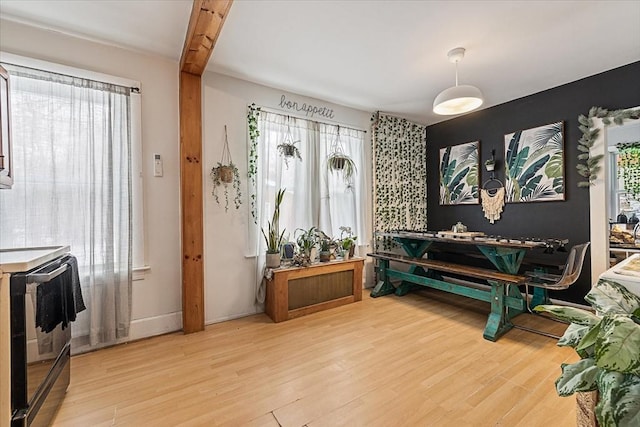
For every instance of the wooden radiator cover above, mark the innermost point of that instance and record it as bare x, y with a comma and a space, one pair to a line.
296, 291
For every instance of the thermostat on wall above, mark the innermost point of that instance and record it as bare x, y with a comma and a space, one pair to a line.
157, 165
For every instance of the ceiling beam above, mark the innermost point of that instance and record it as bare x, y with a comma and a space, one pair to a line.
205, 24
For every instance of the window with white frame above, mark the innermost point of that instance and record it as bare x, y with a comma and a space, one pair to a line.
314, 195
18, 236
77, 182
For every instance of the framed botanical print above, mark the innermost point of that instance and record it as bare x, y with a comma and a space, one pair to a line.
534, 164
459, 174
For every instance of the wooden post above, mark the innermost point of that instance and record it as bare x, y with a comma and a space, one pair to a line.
205, 24
191, 195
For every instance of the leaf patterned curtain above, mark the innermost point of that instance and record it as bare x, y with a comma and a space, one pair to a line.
400, 174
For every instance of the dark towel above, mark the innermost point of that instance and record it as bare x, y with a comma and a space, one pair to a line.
60, 299
78, 301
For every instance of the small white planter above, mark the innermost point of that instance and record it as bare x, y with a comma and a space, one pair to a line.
273, 260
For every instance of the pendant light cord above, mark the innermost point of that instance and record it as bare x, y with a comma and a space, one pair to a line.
457, 73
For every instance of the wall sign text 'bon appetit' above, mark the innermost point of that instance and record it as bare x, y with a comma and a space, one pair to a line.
309, 110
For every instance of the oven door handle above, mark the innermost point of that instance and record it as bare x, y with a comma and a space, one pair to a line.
46, 277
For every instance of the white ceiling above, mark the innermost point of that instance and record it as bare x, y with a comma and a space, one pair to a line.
374, 54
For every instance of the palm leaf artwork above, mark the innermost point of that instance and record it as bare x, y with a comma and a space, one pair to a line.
534, 164
459, 174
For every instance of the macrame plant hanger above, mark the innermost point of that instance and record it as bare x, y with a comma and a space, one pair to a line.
492, 199
226, 170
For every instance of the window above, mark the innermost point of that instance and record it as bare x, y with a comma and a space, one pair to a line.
314, 195
73, 185
18, 237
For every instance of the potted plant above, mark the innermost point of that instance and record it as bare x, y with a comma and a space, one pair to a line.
226, 173
273, 237
306, 240
223, 175
490, 165
347, 242
608, 343
288, 148
339, 162
325, 250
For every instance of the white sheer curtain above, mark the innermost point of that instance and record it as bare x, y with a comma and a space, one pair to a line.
72, 151
314, 196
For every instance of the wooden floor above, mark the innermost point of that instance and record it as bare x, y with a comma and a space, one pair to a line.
417, 360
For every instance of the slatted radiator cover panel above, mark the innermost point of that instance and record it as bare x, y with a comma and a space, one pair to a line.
307, 291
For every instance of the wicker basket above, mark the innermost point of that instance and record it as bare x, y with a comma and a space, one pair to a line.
226, 174
585, 409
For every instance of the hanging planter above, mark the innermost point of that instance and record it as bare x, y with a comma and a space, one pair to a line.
339, 162
225, 174
288, 149
629, 167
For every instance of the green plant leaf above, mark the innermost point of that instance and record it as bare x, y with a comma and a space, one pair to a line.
459, 177
512, 150
618, 345
532, 170
609, 297
607, 382
589, 339
579, 376
573, 335
570, 314
518, 163
625, 401
555, 166
530, 188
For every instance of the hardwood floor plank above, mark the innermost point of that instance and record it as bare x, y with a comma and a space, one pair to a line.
415, 360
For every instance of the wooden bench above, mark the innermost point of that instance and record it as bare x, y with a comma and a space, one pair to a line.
448, 267
506, 301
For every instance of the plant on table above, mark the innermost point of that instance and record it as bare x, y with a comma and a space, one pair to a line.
347, 240
274, 237
306, 240
609, 344
325, 247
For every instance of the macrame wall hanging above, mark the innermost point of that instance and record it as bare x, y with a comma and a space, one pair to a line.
492, 202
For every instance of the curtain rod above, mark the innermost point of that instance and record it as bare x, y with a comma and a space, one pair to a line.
134, 89
286, 113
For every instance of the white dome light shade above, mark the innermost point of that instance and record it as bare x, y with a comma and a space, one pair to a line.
457, 100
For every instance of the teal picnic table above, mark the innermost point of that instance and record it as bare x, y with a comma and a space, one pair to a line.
505, 255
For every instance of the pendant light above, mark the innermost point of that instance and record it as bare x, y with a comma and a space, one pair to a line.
459, 98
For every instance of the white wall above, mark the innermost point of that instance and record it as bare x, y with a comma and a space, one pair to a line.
230, 270
229, 273
157, 301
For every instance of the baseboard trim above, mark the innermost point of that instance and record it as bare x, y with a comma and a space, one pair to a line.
232, 317
156, 325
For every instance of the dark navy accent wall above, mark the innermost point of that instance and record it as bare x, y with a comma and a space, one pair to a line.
615, 89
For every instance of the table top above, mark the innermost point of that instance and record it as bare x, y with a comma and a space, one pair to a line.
24, 259
317, 264
627, 273
475, 238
